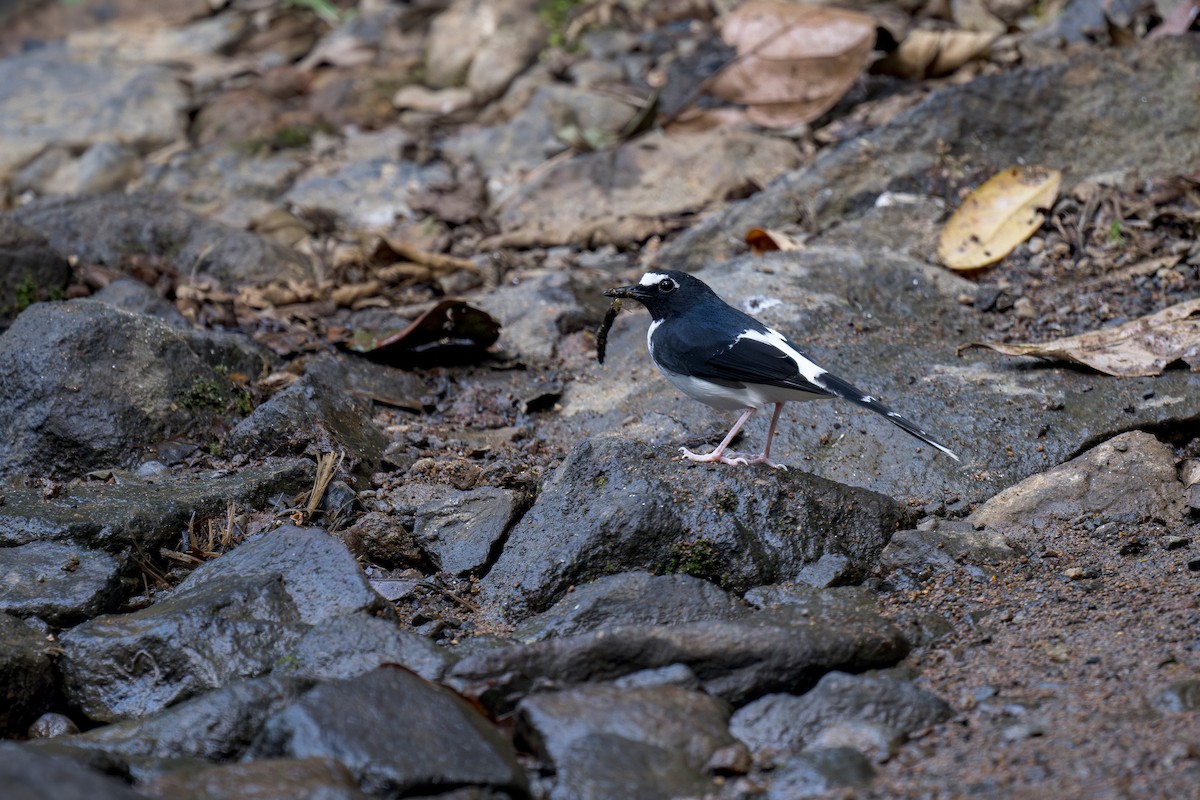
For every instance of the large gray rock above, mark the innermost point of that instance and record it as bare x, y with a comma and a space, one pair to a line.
60, 583
1128, 479
604, 766
785, 723
85, 385
785, 648
615, 504
46, 98
396, 733
26, 676
271, 779
29, 775
631, 598
235, 617
108, 229
461, 532
691, 723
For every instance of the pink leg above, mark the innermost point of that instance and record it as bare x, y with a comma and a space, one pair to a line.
718, 455
765, 458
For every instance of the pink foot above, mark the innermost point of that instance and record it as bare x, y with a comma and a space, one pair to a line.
715, 456
761, 458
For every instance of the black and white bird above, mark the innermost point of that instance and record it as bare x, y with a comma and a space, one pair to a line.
716, 354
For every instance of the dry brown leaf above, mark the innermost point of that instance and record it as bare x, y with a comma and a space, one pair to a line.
794, 62
764, 240
997, 216
1140, 348
930, 54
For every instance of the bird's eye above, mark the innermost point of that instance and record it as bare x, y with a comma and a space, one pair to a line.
666, 285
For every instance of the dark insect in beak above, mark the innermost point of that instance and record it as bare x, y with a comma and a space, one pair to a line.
602, 334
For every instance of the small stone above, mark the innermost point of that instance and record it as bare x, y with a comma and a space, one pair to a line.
732, 759
1079, 573
1176, 542
1023, 308
50, 724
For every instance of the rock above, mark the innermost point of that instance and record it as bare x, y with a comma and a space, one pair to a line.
606, 766
314, 415
215, 726
395, 732
677, 720
368, 195
460, 533
1178, 697
30, 269
631, 598
52, 724
1130, 478
819, 771
610, 507
29, 775
132, 295
234, 617
381, 539
60, 583
786, 723
47, 99
107, 229
974, 401
103, 167
532, 310
627, 194
875, 740
134, 513
738, 659
26, 677
273, 779
950, 123
914, 556
84, 385
358, 643
482, 44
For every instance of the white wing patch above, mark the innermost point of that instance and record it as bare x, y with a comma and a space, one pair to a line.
650, 336
653, 279
810, 371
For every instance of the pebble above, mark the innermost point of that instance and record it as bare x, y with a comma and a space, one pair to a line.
1176, 542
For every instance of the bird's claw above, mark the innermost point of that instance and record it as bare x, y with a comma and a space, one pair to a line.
748, 458
714, 457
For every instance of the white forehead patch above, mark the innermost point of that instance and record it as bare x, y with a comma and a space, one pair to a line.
653, 278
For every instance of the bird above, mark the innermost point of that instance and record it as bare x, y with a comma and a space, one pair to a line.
727, 359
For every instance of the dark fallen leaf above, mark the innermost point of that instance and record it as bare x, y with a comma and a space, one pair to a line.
451, 332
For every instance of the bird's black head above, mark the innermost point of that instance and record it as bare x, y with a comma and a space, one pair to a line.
667, 293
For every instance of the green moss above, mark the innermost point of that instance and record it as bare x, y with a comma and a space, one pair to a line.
203, 393
699, 558
25, 294
556, 14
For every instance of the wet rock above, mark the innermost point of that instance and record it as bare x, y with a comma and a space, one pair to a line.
51, 724
914, 556
60, 583
461, 532
103, 167
26, 676
396, 733
605, 766
214, 726
381, 539
272, 779
816, 772
359, 643
691, 723
314, 415
234, 617
107, 229
84, 385
30, 775
773, 650
47, 98
1130, 478
30, 269
787, 723
134, 513
623, 195
132, 295
631, 598
609, 507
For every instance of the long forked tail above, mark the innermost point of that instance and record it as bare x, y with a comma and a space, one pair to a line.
848, 391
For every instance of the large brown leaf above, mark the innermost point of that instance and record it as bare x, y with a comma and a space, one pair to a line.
794, 61
997, 217
1139, 348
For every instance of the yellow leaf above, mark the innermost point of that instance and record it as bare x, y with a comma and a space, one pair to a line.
997, 216
928, 54
1139, 348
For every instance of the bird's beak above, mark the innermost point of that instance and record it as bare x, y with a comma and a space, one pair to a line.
633, 292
